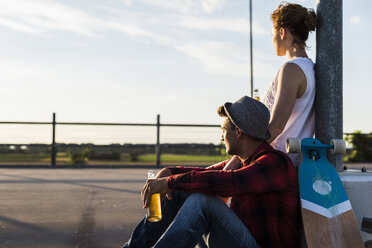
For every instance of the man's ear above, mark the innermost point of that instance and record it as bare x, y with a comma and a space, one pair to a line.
239, 133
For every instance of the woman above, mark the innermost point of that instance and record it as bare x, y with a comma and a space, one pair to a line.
290, 97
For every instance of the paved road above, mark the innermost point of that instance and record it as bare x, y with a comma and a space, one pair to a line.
69, 207
95, 208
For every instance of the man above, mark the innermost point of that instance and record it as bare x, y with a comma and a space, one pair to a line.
265, 200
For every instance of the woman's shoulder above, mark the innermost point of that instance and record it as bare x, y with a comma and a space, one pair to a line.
291, 70
302, 62
299, 65
292, 77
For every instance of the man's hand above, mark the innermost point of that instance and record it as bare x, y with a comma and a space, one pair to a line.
234, 164
153, 186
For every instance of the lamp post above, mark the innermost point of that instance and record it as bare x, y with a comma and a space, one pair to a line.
251, 44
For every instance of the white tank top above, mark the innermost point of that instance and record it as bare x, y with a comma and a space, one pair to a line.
301, 123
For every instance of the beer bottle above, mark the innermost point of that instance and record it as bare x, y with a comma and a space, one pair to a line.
256, 96
154, 209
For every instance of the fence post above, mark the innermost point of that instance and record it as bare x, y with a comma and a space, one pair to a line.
158, 149
53, 152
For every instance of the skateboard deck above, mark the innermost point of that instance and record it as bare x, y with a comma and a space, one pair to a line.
327, 214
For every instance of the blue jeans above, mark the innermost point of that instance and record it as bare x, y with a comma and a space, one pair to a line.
193, 219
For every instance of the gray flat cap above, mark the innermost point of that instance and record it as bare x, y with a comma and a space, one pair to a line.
249, 115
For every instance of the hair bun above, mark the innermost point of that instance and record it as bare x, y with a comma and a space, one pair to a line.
298, 19
311, 20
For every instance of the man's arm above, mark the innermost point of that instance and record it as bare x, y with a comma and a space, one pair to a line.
233, 164
267, 174
165, 172
182, 169
160, 183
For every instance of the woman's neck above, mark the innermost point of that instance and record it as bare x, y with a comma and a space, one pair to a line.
295, 51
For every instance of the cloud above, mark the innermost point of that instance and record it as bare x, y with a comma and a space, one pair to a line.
218, 57
135, 31
15, 69
190, 6
238, 25
185, 31
212, 5
355, 20
19, 26
39, 16
226, 58
126, 2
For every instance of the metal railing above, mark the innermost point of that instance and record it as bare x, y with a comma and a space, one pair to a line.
54, 123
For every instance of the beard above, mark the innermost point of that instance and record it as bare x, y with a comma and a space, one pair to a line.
231, 150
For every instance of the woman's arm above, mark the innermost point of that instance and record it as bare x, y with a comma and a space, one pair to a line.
290, 85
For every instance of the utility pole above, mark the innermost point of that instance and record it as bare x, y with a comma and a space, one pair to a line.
328, 100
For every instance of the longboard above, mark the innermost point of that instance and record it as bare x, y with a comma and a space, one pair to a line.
327, 214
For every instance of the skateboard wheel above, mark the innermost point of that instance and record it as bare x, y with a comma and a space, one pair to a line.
339, 146
293, 145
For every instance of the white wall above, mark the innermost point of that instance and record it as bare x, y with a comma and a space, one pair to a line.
358, 188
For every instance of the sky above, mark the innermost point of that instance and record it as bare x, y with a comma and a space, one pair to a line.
129, 60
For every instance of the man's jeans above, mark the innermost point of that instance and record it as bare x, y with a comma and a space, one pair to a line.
187, 220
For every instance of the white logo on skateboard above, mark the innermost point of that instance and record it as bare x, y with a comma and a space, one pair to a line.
322, 187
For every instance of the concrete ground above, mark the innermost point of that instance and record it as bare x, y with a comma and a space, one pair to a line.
58, 208
69, 207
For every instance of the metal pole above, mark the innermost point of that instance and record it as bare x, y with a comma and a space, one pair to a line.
328, 100
54, 151
158, 148
251, 43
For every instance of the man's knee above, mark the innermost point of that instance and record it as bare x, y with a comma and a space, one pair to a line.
199, 197
203, 201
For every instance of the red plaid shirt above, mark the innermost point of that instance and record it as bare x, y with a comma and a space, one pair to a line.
264, 193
